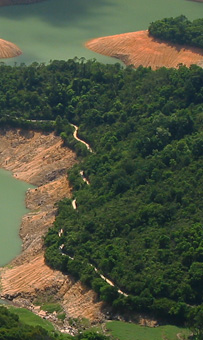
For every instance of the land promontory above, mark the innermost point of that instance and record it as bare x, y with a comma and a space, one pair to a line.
8, 49
138, 48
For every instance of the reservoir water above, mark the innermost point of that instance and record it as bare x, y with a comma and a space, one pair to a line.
12, 208
57, 29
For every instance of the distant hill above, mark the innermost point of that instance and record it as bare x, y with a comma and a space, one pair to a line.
17, 2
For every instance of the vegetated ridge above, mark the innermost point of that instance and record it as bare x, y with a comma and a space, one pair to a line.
139, 220
132, 220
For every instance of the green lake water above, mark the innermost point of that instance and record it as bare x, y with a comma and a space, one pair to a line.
12, 208
57, 29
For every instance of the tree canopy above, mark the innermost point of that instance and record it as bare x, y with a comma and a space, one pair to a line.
178, 30
139, 222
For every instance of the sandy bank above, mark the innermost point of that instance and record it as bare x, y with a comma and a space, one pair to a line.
8, 49
41, 159
137, 48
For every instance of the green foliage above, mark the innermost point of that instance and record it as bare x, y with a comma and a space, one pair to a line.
89, 335
11, 328
140, 219
195, 322
178, 30
31, 319
51, 307
26, 327
129, 331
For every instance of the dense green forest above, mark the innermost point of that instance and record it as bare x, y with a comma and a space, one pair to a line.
12, 329
178, 30
140, 219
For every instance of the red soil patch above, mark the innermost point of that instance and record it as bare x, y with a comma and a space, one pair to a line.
138, 48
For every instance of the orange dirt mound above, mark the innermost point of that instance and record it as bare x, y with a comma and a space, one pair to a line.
8, 49
35, 277
138, 48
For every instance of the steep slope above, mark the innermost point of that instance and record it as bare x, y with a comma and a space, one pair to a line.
41, 160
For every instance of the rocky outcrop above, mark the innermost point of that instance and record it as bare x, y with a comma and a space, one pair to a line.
138, 48
42, 160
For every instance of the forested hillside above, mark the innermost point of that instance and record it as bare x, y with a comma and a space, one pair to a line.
178, 30
139, 221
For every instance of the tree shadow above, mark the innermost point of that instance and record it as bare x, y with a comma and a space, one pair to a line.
56, 12
179, 47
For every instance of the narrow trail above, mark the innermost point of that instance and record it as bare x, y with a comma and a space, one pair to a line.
84, 178
96, 270
74, 205
108, 281
75, 135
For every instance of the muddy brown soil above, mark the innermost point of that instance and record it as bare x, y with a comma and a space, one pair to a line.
41, 159
138, 48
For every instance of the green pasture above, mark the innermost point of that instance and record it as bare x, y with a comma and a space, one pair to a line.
129, 331
52, 307
31, 319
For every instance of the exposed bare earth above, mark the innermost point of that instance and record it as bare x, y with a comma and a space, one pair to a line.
8, 49
138, 48
41, 159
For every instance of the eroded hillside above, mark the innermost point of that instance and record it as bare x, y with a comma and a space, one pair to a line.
41, 159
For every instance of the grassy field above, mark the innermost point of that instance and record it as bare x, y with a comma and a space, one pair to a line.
128, 331
31, 319
51, 307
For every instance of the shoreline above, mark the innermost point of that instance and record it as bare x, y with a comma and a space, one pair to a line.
41, 159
